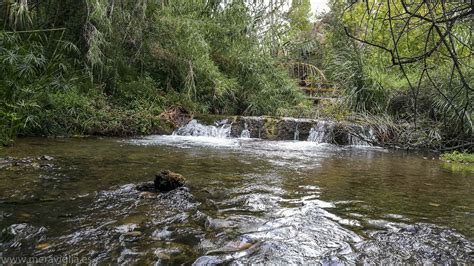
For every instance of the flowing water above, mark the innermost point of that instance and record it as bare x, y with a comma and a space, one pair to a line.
322, 132
297, 133
194, 128
245, 133
247, 201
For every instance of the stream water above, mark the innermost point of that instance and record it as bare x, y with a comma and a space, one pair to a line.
248, 201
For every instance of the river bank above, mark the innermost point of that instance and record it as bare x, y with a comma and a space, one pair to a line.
353, 130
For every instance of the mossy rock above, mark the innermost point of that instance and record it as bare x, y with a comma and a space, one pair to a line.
466, 168
167, 181
209, 119
164, 181
163, 128
270, 129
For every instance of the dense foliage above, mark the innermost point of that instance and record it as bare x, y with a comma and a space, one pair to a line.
411, 60
114, 67
111, 67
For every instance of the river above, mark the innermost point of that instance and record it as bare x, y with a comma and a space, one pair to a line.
247, 201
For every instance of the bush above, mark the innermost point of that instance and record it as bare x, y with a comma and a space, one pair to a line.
132, 61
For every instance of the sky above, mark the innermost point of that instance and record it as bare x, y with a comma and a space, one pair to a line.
319, 5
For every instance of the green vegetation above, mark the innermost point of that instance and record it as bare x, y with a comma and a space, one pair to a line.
458, 157
100, 67
458, 162
118, 67
406, 63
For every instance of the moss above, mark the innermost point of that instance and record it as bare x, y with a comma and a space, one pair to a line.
163, 127
209, 119
459, 167
458, 157
458, 162
270, 128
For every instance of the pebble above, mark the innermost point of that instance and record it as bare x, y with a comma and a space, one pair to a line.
46, 158
134, 233
43, 246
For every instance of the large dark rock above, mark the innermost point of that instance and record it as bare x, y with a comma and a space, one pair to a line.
146, 187
167, 180
255, 126
164, 181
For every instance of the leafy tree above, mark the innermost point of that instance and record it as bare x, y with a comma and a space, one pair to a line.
115, 57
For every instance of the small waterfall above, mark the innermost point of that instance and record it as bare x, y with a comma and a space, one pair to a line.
314, 135
297, 133
320, 132
356, 141
323, 132
364, 136
194, 128
245, 133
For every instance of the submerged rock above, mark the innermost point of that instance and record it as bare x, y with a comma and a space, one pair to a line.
412, 244
164, 181
12, 163
146, 187
46, 158
18, 235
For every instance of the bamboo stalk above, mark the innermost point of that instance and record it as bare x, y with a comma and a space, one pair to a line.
32, 31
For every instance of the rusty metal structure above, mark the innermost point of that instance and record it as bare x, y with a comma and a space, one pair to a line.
310, 78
